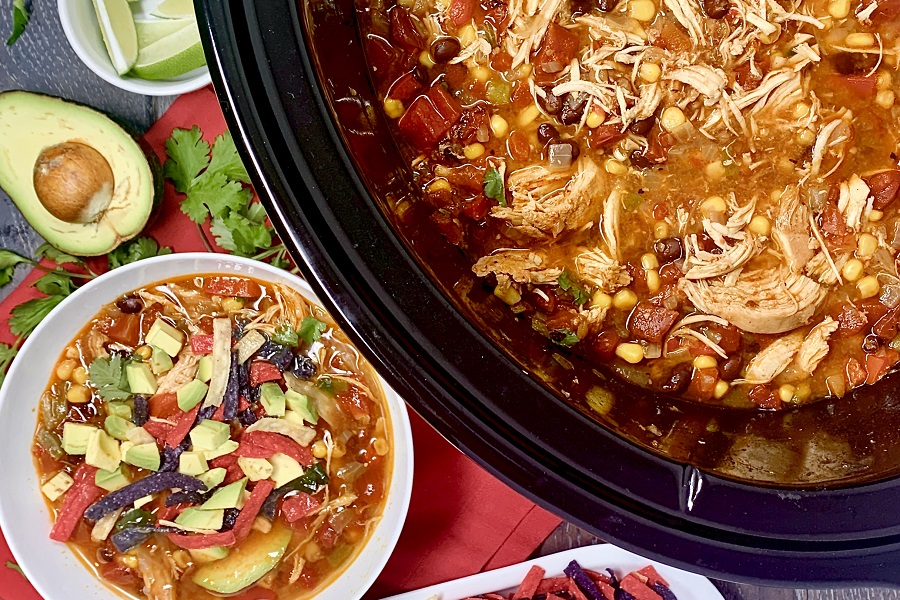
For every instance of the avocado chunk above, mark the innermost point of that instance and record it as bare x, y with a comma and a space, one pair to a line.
213, 477
227, 497
209, 435
140, 378
192, 463
195, 518
145, 456
165, 337
284, 469
302, 405
111, 480
227, 447
79, 179
247, 563
204, 369
119, 409
272, 399
190, 394
75, 437
102, 451
160, 362
118, 427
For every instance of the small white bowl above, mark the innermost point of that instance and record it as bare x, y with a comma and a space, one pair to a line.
79, 21
53, 568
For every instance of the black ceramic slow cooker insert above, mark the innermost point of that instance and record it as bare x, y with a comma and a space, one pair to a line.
797, 497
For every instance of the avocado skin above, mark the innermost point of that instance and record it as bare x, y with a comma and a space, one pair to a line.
31, 122
247, 563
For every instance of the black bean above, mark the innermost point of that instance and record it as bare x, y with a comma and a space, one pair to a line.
607, 5
679, 379
421, 74
546, 133
572, 109
871, 344
303, 367
444, 49
731, 368
551, 104
668, 249
716, 9
130, 305
643, 126
639, 160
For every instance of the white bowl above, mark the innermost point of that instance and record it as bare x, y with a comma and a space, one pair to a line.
79, 21
25, 518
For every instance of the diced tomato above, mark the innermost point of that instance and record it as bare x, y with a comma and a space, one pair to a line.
299, 506
163, 406
257, 593
727, 336
855, 373
637, 588
851, 319
201, 344
198, 542
327, 537
501, 61
879, 363
46, 462
80, 496
159, 430
604, 135
764, 397
557, 50
468, 177
832, 224
404, 31
125, 329
232, 286
673, 39
476, 208
651, 575
448, 226
461, 11
405, 87
262, 371
258, 495
518, 146
355, 403
149, 317
604, 345
264, 444
182, 427
649, 322
703, 384
429, 118
885, 186
117, 573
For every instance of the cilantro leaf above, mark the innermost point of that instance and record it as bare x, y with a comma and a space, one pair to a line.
570, 284
286, 335
225, 159
135, 250
213, 192
564, 337
11, 565
493, 186
26, 316
311, 330
55, 284
188, 155
8, 262
7, 354
240, 235
108, 376
20, 18
57, 256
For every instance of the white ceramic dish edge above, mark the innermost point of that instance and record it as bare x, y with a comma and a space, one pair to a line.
686, 586
83, 32
53, 568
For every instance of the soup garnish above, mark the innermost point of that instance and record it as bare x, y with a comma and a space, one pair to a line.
701, 194
210, 436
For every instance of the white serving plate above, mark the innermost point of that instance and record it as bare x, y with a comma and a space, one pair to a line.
685, 586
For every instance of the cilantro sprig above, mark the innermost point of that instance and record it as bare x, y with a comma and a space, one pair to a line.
20, 18
493, 186
311, 329
569, 283
107, 374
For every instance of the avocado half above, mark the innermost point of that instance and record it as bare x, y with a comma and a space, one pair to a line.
79, 179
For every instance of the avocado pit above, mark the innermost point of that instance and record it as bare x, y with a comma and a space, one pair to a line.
73, 182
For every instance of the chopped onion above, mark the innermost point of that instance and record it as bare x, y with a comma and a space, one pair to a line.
685, 132
817, 198
890, 295
652, 350
483, 134
560, 157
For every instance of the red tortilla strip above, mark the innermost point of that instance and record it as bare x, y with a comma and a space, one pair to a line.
159, 429
634, 586
553, 584
530, 584
299, 506
651, 575
244, 522
182, 427
264, 444
83, 493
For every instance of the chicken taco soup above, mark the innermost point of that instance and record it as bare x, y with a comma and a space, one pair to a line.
213, 436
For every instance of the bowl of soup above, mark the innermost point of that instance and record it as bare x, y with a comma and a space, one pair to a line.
196, 426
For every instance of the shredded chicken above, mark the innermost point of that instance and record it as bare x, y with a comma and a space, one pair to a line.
158, 572
700, 264
521, 266
815, 347
184, 371
772, 360
853, 201
791, 231
598, 269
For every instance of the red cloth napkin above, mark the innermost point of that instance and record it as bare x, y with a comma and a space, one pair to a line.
461, 521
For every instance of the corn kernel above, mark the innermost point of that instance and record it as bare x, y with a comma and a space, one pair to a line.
624, 299
801, 109
868, 286
806, 137
65, 368
662, 230
705, 362
80, 375
884, 81
614, 167
649, 261
393, 108
715, 170
467, 35
523, 71
721, 389
78, 394
508, 294
473, 151
885, 99
601, 300
594, 119
839, 9
425, 59
672, 118
859, 40
653, 281
319, 449
775, 195
713, 205
528, 115
867, 245
803, 391
339, 450
499, 126
875, 215
642, 10
852, 269
182, 559
631, 353
439, 185
786, 392
232, 304
144, 352
481, 73
649, 72
312, 552
130, 561
759, 225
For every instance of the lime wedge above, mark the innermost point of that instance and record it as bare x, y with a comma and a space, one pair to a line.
150, 32
173, 55
119, 34
174, 9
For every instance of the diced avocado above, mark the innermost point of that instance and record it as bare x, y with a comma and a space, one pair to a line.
75, 437
118, 427
227, 497
119, 409
140, 378
192, 463
284, 469
213, 477
111, 480
58, 485
160, 362
255, 469
143, 501
190, 394
145, 456
201, 519
204, 369
272, 399
259, 554
165, 337
305, 407
209, 434
102, 451
227, 447
138, 435
207, 555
